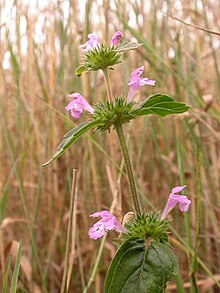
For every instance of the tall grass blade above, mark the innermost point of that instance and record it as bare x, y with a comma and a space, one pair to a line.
5, 281
14, 280
65, 285
198, 209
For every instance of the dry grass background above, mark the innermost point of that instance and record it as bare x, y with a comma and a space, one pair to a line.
37, 72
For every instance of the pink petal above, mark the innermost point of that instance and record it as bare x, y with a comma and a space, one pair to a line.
85, 105
91, 43
121, 229
135, 85
93, 38
137, 72
184, 206
76, 113
174, 199
96, 233
101, 214
178, 189
165, 212
146, 81
82, 103
78, 105
70, 105
108, 222
136, 82
74, 95
130, 95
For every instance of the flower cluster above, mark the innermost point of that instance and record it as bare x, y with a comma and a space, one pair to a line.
93, 41
152, 226
79, 103
93, 48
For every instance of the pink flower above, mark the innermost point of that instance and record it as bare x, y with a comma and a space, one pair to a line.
116, 39
108, 222
136, 82
175, 199
78, 105
91, 43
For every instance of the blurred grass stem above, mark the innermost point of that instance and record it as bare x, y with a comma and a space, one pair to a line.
198, 208
95, 268
23, 202
68, 242
102, 245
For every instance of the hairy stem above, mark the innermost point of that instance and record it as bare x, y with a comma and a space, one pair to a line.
130, 173
108, 84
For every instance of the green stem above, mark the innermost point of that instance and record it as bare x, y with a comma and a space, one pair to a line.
121, 137
108, 84
130, 173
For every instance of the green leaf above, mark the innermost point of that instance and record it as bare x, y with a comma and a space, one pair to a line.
14, 280
137, 268
127, 46
79, 70
162, 105
70, 137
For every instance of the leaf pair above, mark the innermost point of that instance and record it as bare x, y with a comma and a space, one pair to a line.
158, 104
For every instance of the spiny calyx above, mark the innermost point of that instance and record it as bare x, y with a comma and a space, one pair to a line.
146, 226
109, 113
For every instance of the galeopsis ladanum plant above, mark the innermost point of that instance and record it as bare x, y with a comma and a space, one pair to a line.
144, 261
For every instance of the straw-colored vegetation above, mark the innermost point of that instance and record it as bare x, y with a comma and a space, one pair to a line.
39, 51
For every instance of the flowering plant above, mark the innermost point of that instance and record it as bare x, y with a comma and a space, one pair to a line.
145, 261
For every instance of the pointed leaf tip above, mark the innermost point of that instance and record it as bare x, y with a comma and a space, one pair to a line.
69, 138
127, 46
